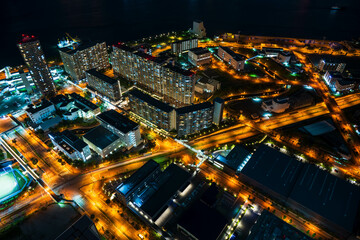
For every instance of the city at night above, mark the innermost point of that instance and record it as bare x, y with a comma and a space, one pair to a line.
180, 120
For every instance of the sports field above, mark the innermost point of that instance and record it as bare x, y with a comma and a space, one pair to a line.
12, 183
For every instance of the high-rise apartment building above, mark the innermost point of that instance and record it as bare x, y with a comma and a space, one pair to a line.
179, 47
34, 58
218, 110
104, 85
174, 84
77, 60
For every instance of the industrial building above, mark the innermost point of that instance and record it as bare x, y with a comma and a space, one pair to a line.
78, 59
148, 192
327, 200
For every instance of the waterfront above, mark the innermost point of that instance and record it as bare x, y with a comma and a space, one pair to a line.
126, 20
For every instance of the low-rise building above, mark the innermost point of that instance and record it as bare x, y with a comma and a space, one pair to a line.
207, 86
179, 47
72, 146
127, 130
199, 56
104, 85
37, 113
102, 141
83, 229
152, 110
194, 118
337, 83
235, 60
285, 57
276, 105
88, 109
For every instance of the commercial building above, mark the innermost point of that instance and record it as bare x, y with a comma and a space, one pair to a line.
218, 110
331, 65
235, 60
327, 200
82, 229
268, 226
199, 56
277, 105
174, 84
72, 146
179, 47
34, 58
37, 113
127, 130
152, 110
337, 83
285, 57
104, 85
77, 60
149, 192
207, 86
193, 118
102, 141
199, 29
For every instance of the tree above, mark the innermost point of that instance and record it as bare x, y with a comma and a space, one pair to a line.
34, 161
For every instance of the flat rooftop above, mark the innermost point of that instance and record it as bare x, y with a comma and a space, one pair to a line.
169, 182
100, 137
83, 45
82, 229
138, 177
268, 226
150, 100
83, 101
235, 157
273, 169
199, 50
118, 121
101, 76
194, 107
34, 109
327, 195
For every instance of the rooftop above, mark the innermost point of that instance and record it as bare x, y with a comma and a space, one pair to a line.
185, 40
234, 159
318, 128
170, 181
327, 195
100, 137
118, 121
58, 99
82, 46
101, 76
236, 56
82, 229
152, 101
34, 109
273, 169
193, 108
27, 38
219, 100
268, 226
138, 177
199, 50
179, 70
83, 101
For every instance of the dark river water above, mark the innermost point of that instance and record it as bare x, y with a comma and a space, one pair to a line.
122, 20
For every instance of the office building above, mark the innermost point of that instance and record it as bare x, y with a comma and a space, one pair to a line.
305, 188
331, 65
179, 47
25, 82
194, 118
34, 58
337, 83
82, 229
199, 56
72, 146
205, 85
84, 57
174, 84
102, 141
127, 130
268, 226
149, 192
103, 85
199, 29
235, 60
37, 113
152, 110
218, 110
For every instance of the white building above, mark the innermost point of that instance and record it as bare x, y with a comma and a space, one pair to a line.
37, 113
276, 105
